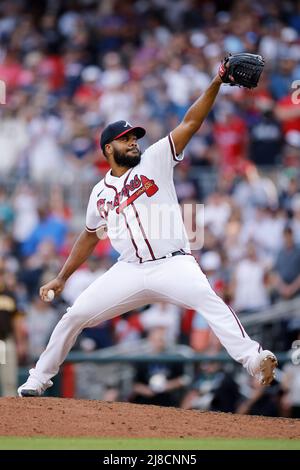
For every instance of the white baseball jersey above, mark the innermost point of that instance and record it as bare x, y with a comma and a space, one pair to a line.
140, 208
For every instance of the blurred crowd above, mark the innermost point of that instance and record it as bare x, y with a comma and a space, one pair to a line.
71, 67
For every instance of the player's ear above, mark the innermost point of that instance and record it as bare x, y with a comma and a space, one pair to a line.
108, 150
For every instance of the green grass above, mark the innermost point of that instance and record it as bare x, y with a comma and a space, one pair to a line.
35, 443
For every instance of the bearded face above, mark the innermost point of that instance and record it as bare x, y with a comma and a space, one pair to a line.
127, 158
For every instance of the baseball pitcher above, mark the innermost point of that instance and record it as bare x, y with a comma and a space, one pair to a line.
150, 268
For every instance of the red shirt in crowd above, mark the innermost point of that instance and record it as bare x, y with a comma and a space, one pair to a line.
231, 137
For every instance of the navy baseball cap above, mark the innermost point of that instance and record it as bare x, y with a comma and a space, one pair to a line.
117, 129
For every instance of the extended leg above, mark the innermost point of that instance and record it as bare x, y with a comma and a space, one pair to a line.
180, 280
119, 290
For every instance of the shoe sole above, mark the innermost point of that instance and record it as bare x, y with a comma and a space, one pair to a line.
267, 370
29, 393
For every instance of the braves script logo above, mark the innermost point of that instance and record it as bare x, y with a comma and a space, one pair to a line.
142, 185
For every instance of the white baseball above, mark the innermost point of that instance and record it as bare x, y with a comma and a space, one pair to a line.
50, 295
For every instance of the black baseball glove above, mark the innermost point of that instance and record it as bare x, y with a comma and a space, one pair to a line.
242, 69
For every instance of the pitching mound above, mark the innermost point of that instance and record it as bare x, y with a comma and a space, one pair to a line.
73, 418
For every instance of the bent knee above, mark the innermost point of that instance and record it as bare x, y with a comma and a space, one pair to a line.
74, 317
203, 295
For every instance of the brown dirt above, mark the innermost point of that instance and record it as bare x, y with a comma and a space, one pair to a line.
69, 417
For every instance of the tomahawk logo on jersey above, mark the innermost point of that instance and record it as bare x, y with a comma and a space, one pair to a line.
144, 184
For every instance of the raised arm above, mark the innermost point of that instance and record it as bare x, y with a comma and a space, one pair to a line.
81, 250
195, 116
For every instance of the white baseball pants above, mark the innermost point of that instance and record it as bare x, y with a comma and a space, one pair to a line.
125, 286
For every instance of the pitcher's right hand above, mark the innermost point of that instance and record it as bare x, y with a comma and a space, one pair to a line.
57, 285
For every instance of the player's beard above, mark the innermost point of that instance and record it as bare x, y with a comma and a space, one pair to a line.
123, 160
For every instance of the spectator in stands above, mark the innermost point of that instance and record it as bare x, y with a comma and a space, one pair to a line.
14, 139
287, 267
265, 136
40, 321
12, 332
288, 192
265, 229
127, 328
202, 338
291, 385
231, 136
295, 223
288, 113
165, 315
291, 149
38, 266
249, 282
25, 206
83, 277
213, 389
217, 211
263, 401
50, 227
186, 187
45, 157
6, 211
157, 383
281, 79
253, 190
